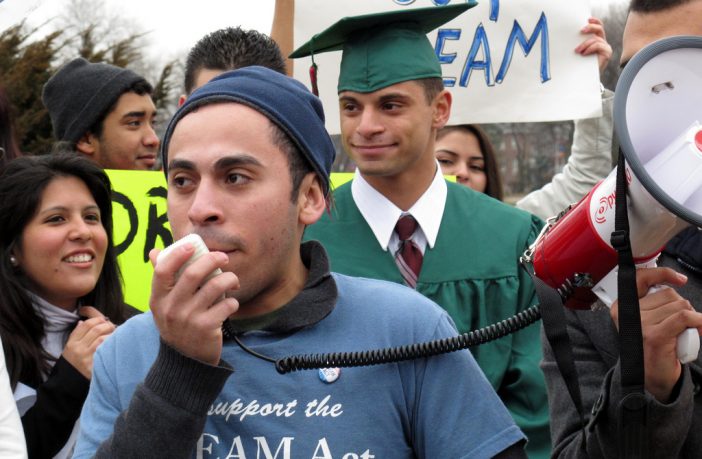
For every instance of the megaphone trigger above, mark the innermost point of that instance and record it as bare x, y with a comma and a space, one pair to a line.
688, 345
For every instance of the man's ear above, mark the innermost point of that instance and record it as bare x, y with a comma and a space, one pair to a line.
310, 200
442, 109
88, 144
181, 100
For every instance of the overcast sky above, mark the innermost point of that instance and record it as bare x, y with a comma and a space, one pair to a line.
173, 26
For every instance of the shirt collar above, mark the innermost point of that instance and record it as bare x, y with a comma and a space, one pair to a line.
55, 319
316, 300
382, 215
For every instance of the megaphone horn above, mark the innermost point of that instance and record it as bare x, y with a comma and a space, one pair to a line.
657, 114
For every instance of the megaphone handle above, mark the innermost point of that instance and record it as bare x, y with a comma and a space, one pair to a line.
688, 341
688, 345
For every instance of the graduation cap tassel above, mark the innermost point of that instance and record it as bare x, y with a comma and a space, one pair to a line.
313, 79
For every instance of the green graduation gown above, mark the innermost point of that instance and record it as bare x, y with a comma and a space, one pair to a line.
472, 272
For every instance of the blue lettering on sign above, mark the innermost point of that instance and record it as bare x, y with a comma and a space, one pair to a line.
441, 37
494, 10
481, 47
494, 5
517, 34
479, 56
480, 41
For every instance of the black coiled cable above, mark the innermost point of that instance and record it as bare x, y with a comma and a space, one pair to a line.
407, 352
566, 289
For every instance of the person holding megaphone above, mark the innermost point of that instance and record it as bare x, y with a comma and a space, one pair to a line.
673, 404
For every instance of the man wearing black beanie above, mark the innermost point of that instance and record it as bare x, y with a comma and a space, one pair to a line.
103, 112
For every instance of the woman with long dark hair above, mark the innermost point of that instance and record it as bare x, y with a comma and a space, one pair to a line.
60, 291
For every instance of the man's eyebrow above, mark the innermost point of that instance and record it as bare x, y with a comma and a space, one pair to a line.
225, 162
181, 164
392, 96
384, 98
134, 114
347, 99
241, 159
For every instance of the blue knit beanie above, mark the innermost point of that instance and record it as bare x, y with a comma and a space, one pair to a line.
283, 100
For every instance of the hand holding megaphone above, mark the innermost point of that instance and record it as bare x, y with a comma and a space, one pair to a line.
688, 342
664, 314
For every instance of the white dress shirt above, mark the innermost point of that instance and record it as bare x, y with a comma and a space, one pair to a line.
382, 215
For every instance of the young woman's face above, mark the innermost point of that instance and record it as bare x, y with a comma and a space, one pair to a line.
459, 154
63, 246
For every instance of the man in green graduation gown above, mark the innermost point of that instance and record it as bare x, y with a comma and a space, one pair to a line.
464, 251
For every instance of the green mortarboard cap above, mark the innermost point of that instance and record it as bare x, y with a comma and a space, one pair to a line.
382, 49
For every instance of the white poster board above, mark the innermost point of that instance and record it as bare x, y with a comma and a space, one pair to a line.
503, 61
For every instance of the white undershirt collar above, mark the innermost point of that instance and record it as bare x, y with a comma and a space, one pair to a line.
382, 215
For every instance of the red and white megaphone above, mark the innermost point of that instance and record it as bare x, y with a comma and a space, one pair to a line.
658, 121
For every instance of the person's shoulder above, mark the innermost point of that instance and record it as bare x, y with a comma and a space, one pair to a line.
137, 338
482, 202
481, 209
140, 325
129, 311
376, 296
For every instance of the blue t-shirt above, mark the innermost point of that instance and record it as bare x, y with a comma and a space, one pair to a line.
437, 407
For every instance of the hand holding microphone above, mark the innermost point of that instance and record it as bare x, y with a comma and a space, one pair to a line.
187, 297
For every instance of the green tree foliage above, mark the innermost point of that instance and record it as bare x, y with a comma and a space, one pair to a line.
164, 88
24, 68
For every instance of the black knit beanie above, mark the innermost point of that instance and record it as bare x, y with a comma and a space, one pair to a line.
80, 93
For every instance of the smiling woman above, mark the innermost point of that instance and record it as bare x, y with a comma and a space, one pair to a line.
60, 282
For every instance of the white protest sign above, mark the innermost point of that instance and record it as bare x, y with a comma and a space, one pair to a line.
503, 61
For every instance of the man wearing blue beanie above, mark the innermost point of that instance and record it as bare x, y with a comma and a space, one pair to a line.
247, 160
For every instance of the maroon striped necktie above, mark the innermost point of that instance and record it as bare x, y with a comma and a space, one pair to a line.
408, 256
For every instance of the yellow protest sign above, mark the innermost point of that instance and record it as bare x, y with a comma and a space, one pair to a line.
140, 224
